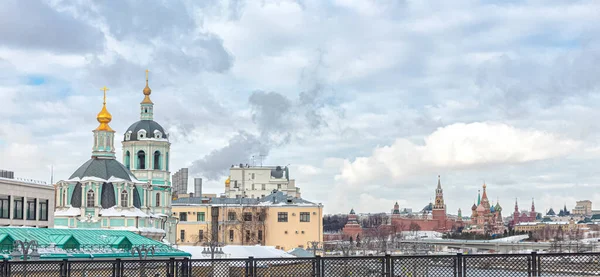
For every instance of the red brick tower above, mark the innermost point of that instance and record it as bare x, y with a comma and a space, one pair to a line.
352, 228
439, 208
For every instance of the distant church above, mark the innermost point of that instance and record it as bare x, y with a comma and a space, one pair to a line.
133, 195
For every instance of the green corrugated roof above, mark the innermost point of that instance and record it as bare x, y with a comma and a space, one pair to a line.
88, 239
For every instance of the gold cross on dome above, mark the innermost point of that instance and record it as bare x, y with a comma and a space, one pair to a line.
147, 74
104, 89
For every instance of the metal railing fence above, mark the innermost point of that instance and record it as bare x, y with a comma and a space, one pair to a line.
504, 265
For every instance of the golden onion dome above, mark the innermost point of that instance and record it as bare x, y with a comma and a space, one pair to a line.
104, 117
228, 181
147, 91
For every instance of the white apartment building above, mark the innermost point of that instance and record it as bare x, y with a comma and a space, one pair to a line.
258, 181
26, 203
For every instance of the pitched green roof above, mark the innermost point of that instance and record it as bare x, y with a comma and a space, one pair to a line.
77, 242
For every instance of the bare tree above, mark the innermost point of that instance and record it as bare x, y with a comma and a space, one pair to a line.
414, 228
250, 224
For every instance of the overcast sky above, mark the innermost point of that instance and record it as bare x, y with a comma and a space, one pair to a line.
367, 101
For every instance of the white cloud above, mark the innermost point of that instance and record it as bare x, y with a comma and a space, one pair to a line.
457, 146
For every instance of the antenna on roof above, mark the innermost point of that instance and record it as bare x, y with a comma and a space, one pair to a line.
261, 159
253, 161
52, 174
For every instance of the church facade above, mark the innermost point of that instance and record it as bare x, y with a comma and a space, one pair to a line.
486, 218
133, 195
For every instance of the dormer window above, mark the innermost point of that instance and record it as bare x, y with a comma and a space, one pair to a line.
157, 134
128, 135
141, 134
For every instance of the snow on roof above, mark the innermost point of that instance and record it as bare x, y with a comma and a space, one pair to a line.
240, 251
112, 179
129, 212
70, 211
141, 229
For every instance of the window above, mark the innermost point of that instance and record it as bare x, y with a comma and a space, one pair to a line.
263, 186
4, 206
18, 214
252, 186
43, 210
200, 216
31, 209
230, 235
167, 161
141, 164
64, 197
157, 160
182, 216
200, 235
182, 235
124, 198
247, 216
247, 235
260, 235
231, 216
141, 133
282, 217
90, 198
128, 159
235, 185
261, 216
252, 176
157, 134
304, 217
158, 199
278, 186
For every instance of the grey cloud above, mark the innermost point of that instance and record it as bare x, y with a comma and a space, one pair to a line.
278, 120
239, 149
145, 20
206, 52
35, 25
270, 111
513, 81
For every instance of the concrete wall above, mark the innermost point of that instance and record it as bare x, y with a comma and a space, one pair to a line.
29, 191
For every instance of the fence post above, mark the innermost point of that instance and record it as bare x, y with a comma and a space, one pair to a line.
64, 265
171, 269
388, 265
250, 267
534, 264
315, 266
185, 267
458, 265
117, 268
4, 267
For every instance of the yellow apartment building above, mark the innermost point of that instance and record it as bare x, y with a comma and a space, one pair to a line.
277, 219
534, 226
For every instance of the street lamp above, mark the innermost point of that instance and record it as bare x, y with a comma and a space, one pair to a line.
213, 250
25, 246
143, 255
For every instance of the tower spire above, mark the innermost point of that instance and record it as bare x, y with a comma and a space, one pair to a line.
104, 135
104, 117
147, 106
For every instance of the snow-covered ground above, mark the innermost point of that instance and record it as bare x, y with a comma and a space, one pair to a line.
239, 252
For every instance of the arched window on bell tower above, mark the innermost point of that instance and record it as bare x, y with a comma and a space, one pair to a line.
124, 199
158, 199
90, 199
157, 159
128, 160
141, 157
